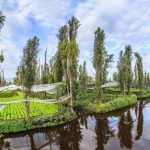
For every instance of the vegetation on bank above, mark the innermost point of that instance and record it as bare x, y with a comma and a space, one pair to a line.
19, 125
12, 117
144, 96
110, 103
115, 104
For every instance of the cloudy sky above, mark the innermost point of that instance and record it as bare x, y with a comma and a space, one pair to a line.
124, 22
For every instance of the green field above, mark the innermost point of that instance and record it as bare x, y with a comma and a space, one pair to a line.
12, 117
17, 110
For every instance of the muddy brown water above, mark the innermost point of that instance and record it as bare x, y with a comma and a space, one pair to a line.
120, 130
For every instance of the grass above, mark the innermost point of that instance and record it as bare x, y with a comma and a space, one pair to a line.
144, 96
110, 101
117, 103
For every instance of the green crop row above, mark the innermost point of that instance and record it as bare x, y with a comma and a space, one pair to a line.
17, 111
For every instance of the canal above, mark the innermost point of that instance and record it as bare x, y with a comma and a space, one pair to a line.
124, 129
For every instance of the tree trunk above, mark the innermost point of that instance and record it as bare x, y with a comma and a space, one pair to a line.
98, 87
70, 83
70, 88
27, 108
123, 89
68, 76
129, 91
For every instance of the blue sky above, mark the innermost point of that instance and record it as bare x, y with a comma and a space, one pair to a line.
124, 21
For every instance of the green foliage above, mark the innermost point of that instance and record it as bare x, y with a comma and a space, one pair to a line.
128, 62
2, 19
144, 96
76, 89
16, 111
86, 101
125, 74
101, 61
1, 57
42, 115
36, 122
45, 79
115, 76
83, 77
73, 28
61, 90
139, 64
9, 95
60, 63
29, 62
116, 104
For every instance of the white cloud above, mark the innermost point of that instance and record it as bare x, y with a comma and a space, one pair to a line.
124, 22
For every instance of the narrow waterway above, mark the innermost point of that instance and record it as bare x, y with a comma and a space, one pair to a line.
123, 129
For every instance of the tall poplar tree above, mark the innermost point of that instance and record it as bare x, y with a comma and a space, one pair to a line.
139, 64
135, 74
73, 25
101, 61
83, 74
69, 51
28, 70
61, 62
122, 72
2, 20
128, 63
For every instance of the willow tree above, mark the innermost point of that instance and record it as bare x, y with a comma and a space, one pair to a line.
71, 52
28, 70
101, 61
139, 64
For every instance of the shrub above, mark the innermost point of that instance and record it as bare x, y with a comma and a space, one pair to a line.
116, 104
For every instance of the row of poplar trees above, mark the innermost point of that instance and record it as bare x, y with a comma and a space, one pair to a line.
102, 61
125, 72
66, 60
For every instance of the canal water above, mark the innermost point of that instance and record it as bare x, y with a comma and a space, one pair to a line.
120, 130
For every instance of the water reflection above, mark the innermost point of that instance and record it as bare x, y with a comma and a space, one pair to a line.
103, 132
140, 121
127, 127
70, 136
